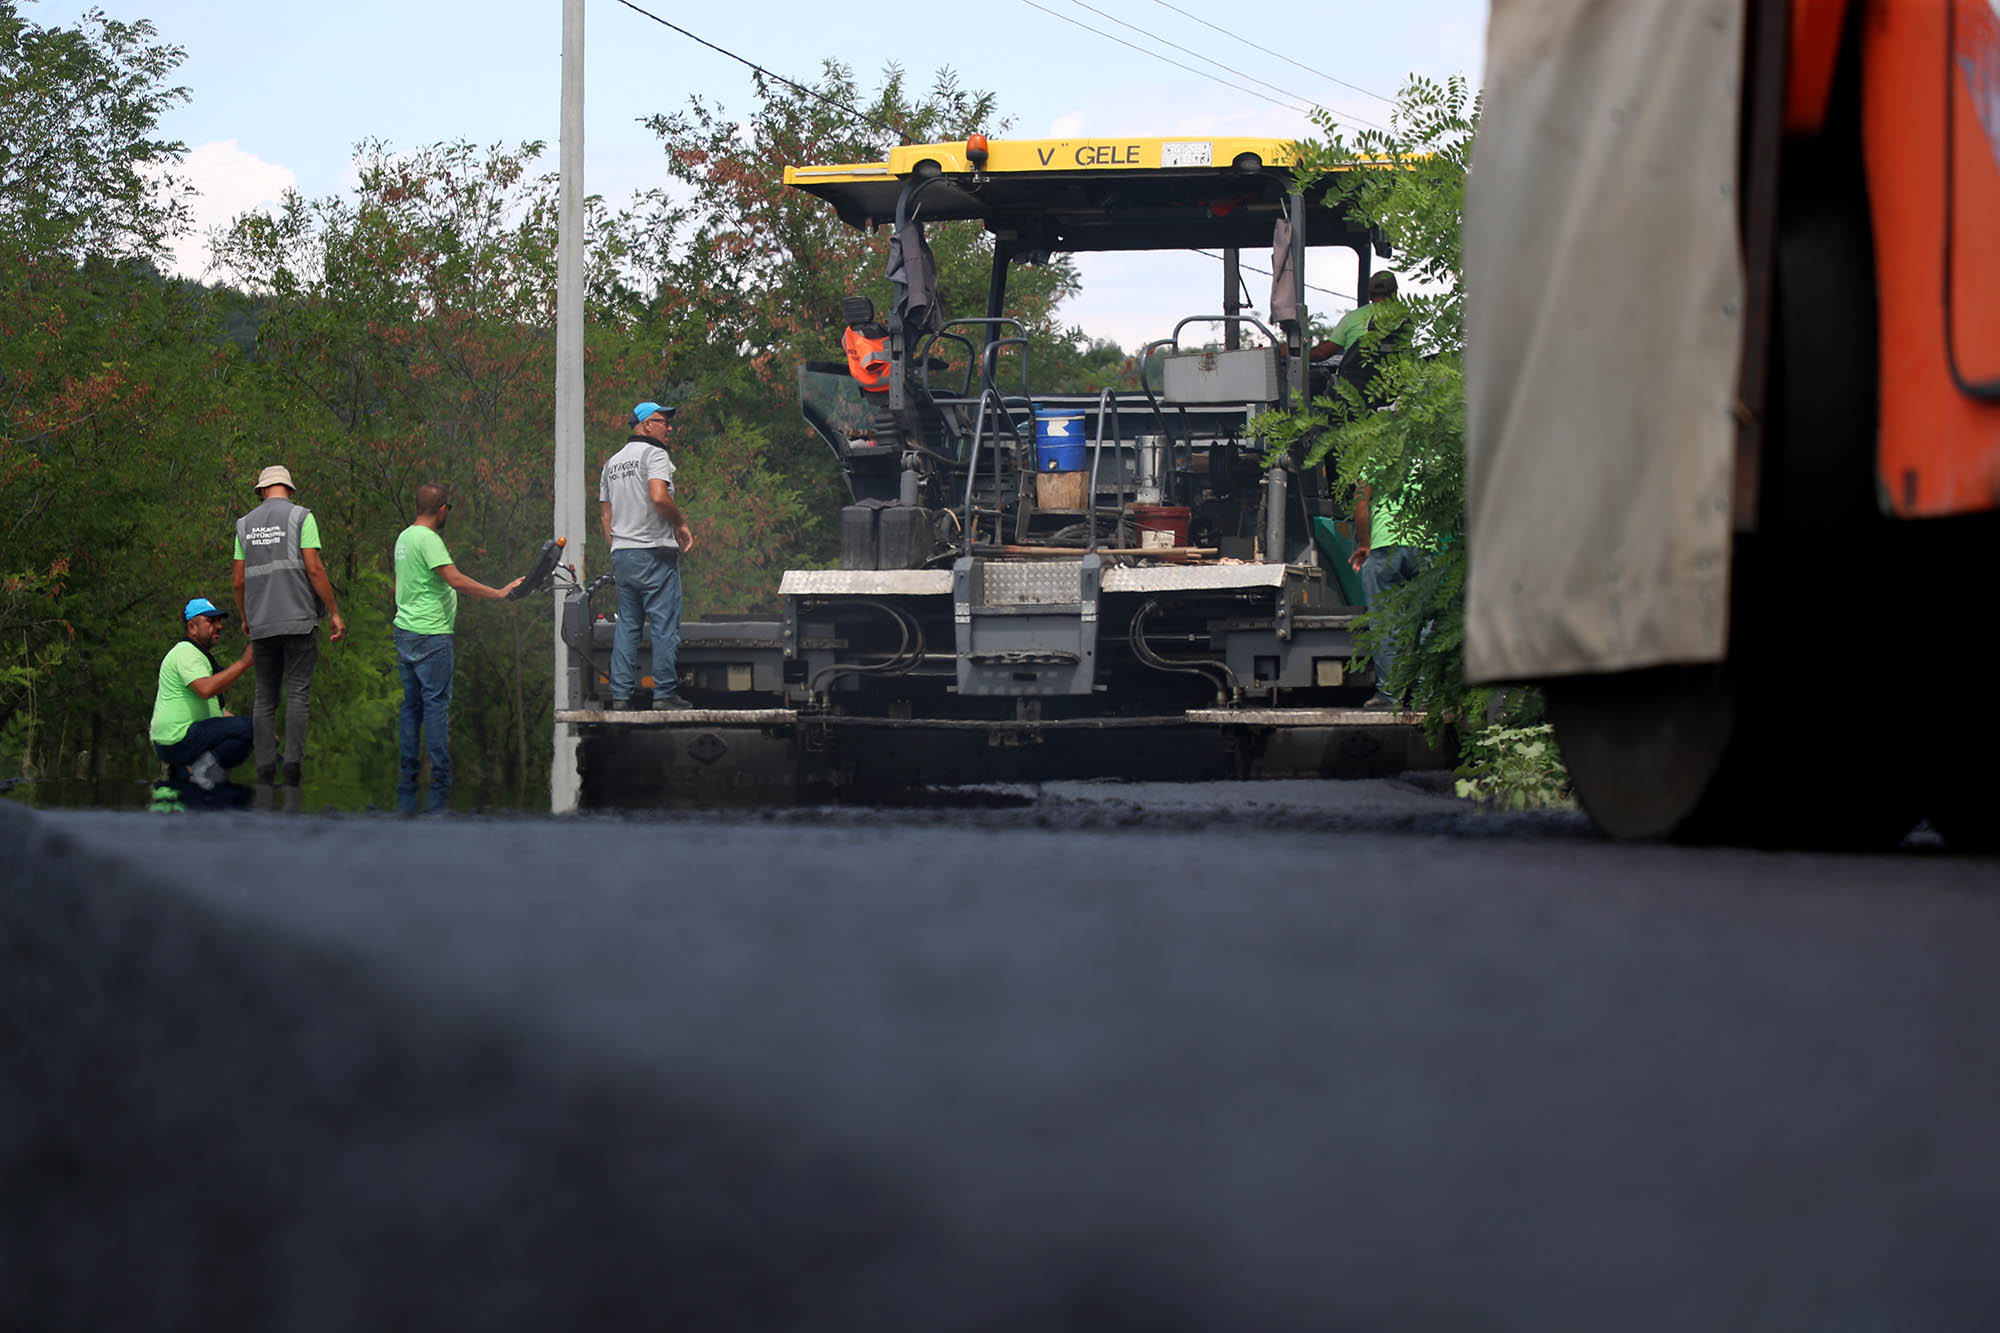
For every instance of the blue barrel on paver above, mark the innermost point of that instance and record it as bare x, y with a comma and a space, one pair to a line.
1059, 440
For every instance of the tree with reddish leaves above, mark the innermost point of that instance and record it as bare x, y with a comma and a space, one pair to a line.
744, 278
405, 334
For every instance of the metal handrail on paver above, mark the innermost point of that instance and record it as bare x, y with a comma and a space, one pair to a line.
988, 394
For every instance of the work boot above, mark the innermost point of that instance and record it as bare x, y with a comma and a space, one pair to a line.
621, 705
668, 703
294, 798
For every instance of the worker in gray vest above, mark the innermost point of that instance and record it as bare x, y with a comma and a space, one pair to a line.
281, 591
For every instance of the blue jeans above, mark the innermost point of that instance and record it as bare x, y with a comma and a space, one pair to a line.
229, 739
425, 663
1385, 567
649, 595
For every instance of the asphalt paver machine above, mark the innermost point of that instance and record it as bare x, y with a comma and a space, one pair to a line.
1036, 585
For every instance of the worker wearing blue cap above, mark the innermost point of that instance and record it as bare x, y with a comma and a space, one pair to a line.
648, 535
197, 740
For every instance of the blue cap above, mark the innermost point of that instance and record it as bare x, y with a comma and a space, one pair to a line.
201, 606
646, 410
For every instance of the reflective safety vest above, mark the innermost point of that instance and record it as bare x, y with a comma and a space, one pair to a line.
278, 597
867, 359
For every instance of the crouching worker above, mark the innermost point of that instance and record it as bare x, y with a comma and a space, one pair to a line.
194, 737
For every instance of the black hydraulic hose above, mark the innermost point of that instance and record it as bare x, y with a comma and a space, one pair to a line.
1107, 398
911, 647
1147, 654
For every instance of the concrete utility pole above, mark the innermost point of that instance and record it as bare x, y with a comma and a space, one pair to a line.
569, 517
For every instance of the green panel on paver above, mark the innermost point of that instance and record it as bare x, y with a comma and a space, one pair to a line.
1337, 548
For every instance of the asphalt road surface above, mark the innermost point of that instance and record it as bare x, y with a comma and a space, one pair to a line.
1268, 1056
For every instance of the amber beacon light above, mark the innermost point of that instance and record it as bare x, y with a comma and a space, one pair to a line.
975, 150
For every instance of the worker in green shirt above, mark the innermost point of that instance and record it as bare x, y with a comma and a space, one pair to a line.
427, 589
1381, 287
1384, 556
1357, 363
197, 740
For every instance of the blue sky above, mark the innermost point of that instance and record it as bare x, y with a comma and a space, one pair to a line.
282, 93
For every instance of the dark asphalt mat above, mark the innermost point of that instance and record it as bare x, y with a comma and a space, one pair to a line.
1288, 1056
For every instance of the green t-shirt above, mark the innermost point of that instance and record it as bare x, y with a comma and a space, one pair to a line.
308, 537
425, 603
175, 706
1384, 526
1352, 325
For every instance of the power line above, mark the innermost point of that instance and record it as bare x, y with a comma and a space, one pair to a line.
1080, 4
1111, 37
1324, 291
1210, 60
849, 109
1287, 59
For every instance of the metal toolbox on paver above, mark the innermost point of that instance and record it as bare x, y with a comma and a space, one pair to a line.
1213, 375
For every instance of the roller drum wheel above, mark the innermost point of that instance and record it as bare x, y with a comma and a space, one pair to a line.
1643, 748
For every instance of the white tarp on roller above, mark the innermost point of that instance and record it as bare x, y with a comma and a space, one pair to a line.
1604, 298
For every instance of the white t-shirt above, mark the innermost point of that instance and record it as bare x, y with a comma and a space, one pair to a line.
635, 523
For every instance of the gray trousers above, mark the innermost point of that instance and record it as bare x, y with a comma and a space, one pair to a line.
286, 659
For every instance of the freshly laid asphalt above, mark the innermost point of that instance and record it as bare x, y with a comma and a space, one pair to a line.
1263, 1056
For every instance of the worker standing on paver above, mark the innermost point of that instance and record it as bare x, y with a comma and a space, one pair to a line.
194, 737
1358, 360
1381, 289
648, 535
427, 589
282, 589
1384, 560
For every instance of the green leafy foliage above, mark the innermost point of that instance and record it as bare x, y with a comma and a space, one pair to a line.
114, 396
81, 173
1514, 768
1410, 181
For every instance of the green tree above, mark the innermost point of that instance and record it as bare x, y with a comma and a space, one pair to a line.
112, 387
81, 173
1410, 181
